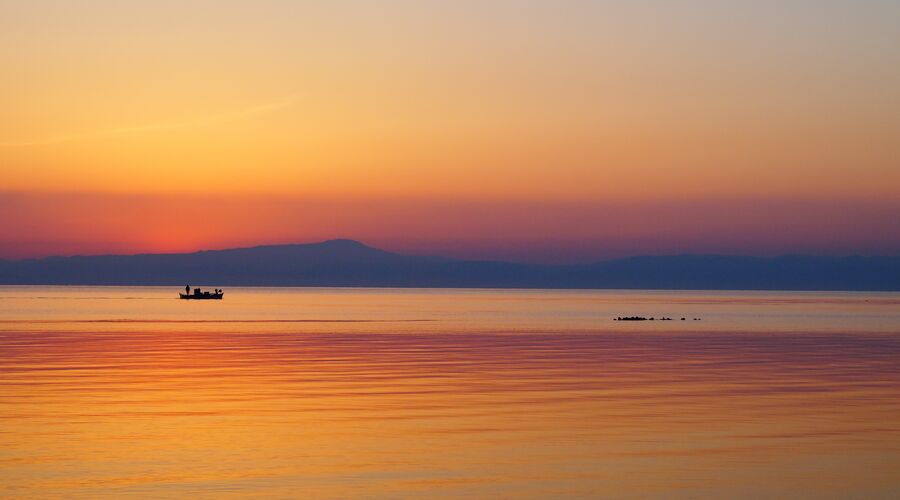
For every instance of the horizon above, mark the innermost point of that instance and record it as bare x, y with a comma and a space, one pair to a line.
44, 224
402, 253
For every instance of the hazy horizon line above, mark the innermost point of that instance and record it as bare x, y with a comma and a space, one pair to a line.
438, 255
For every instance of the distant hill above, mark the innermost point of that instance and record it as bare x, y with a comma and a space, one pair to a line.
350, 263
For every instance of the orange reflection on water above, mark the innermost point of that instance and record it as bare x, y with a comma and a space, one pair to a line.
386, 409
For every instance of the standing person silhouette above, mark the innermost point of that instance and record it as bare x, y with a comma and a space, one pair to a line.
187, 289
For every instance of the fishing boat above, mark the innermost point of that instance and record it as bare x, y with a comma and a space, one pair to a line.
200, 295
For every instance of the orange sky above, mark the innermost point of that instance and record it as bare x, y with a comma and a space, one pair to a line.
525, 230
562, 108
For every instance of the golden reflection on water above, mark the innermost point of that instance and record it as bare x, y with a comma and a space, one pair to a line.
319, 393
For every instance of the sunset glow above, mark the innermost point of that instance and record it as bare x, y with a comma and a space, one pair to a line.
540, 131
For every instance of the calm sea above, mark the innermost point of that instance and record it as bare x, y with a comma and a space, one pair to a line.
341, 393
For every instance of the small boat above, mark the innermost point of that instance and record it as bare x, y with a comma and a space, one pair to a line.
198, 295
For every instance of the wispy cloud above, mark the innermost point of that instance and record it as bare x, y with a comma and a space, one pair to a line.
200, 121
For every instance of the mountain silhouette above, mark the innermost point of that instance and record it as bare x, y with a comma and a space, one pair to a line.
351, 263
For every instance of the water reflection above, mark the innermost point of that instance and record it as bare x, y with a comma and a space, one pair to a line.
384, 408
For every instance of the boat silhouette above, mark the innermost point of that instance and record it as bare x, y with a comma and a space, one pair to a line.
200, 295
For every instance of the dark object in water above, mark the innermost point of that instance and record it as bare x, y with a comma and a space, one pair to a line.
199, 295
641, 318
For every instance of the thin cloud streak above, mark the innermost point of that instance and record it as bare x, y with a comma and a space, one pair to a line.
203, 121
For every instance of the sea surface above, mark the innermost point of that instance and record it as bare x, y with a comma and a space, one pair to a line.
107, 392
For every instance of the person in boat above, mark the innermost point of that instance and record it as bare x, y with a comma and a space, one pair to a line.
187, 289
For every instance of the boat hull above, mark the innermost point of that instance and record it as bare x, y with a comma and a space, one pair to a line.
212, 296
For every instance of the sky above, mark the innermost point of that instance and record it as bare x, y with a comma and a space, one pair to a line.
549, 131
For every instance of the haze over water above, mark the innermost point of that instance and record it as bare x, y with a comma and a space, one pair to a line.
334, 393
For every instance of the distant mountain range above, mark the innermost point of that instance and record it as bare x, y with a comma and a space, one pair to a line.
350, 263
